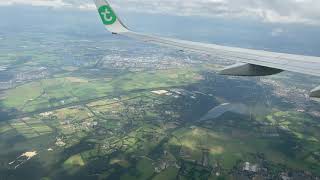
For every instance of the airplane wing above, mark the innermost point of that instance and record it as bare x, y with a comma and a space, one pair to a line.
250, 62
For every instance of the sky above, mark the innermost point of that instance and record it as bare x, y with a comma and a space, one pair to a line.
290, 26
305, 12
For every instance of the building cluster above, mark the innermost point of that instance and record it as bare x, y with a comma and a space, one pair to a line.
250, 171
38, 73
24, 76
141, 63
293, 94
6, 85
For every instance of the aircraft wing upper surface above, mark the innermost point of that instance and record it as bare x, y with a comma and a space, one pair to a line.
251, 62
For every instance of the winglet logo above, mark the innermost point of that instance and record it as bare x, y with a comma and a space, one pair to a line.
107, 15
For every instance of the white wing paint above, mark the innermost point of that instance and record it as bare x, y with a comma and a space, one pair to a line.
251, 62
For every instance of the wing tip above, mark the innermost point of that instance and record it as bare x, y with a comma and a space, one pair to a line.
109, 18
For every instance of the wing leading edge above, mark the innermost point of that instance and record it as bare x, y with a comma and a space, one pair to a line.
252, 62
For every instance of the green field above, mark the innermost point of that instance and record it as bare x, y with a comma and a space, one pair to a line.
95, 113
59, 91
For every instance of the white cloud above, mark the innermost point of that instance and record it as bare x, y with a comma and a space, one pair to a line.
271, 11
87, 6
277, 32
50, 3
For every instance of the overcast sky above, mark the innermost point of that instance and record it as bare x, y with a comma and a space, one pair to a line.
270, 11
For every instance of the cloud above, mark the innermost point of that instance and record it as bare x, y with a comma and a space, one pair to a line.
277, 32
50, 3
270, 11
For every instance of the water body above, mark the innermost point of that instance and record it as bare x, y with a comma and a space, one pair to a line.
223, 108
